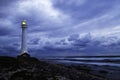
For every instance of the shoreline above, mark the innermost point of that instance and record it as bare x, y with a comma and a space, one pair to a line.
105, 71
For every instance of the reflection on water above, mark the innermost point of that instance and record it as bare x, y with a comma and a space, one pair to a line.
116, 58
76, 61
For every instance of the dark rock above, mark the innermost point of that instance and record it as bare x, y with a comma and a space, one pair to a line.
29, 68
103, 71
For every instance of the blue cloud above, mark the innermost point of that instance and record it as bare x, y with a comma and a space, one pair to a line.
60, 27
87, 10
76, 45
4, 31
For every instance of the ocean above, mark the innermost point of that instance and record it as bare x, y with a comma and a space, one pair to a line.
94, 60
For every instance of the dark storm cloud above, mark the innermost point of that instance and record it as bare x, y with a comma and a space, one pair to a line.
87, 9
34, 41
60, 27
85, 45
73, 37
4, 3
80, 42
4, 6
4, 31
9, 50
91, 15
76, 45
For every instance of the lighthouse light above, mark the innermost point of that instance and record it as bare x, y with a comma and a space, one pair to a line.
24, 23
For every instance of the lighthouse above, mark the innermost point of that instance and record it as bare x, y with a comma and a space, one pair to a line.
23, 56
24, 38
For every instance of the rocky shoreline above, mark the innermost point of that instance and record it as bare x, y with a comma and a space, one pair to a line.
107, 72
33, 69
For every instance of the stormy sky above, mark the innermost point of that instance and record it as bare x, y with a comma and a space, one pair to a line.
61, 27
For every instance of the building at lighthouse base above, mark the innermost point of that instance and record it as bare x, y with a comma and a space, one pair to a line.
23, 56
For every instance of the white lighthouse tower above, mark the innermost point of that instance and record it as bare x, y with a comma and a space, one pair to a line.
24, 37
24, 53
